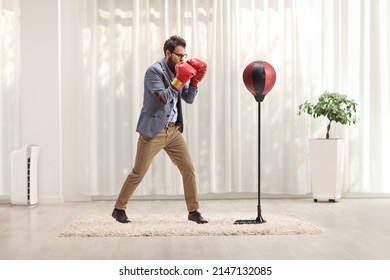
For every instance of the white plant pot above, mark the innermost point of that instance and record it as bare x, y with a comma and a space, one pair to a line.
326, 163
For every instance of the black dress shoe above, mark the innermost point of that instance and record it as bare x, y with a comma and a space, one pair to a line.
120, 216
196, 217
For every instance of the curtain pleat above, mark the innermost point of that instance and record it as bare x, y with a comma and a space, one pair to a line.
9, 88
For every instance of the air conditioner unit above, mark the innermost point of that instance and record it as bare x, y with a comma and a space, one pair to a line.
24, 176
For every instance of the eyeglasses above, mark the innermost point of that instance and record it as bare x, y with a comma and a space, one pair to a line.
181, 56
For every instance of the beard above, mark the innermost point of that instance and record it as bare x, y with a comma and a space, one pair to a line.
171, 65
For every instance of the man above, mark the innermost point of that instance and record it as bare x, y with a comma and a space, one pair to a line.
160, 124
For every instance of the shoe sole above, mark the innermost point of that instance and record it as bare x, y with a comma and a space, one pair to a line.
200, 222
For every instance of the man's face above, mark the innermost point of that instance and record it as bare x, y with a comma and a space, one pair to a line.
177, 56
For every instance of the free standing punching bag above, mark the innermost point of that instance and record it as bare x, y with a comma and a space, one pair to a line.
259, 78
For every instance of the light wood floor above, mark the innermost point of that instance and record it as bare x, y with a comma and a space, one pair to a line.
354, 228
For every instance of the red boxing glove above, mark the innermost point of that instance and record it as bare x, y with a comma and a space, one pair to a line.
184, 72
200, 67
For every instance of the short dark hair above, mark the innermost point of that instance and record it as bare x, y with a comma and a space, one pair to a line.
172, 42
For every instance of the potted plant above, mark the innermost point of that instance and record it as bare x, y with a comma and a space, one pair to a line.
327, 155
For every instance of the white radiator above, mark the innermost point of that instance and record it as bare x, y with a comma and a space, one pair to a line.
24, 175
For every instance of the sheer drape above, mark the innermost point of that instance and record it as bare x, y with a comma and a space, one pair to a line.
9, 87
313, 45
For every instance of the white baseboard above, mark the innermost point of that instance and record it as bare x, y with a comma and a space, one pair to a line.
5, 199
50, 199
216, 196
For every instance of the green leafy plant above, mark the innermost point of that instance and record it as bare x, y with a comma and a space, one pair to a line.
334, 106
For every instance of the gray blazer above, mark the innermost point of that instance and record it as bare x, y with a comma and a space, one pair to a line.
158, 99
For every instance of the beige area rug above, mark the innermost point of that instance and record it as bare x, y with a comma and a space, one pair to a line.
178, 225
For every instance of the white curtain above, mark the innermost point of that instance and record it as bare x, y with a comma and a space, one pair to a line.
9, 87
313, 45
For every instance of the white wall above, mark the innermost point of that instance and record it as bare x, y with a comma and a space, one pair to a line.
52, 97
39, 94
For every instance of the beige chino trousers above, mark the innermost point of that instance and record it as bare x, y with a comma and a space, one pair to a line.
171, 140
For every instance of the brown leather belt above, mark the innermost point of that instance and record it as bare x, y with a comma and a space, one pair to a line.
170, 124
